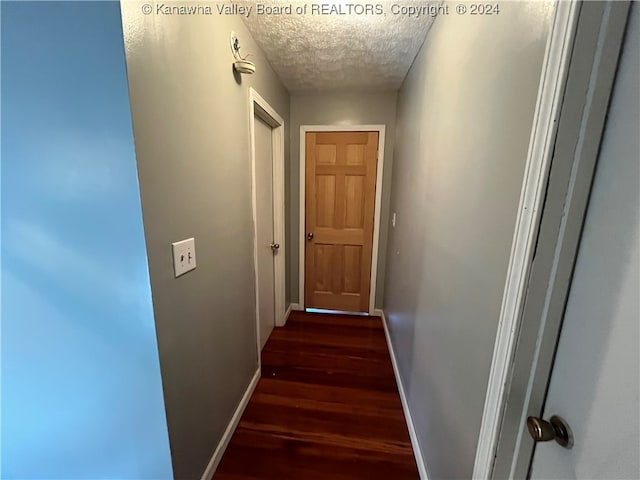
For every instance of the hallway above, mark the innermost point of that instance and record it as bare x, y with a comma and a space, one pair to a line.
327, 406
182, 181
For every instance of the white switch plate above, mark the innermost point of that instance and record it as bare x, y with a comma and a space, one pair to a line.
184, 256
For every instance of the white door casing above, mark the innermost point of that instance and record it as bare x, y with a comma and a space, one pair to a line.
598, 30
259, 107
554, 73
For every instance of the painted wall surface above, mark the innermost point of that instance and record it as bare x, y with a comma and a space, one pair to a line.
338, 109
465, 113
191, 124
81, 388
595, 380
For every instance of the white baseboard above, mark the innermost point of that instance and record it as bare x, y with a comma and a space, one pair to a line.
283, 321
292, 307
417, 451
296, 307
287, 313
228, 433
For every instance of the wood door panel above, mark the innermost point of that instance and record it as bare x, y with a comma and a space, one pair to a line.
344, 237
355, 154
339, 208
333, 301
352, 267
326, 155
323, 256
326, 200
354, 201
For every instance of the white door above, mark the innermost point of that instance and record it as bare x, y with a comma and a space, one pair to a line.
264, 223
594, 384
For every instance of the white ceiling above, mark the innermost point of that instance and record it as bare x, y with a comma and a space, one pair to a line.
324, 53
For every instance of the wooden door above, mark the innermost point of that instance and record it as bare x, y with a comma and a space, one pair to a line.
339, 211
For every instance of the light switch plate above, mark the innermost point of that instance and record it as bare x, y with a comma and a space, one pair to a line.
184, 256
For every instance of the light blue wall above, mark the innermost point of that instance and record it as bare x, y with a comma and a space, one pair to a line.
81, 388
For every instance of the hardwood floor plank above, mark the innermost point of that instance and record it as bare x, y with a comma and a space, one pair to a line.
326, 407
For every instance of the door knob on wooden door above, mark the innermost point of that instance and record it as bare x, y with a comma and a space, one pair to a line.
275, 246
555, 429
310, 236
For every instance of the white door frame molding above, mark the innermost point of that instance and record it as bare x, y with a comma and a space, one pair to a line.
378, 201
550, 94
259, 107
592, 70
585, 37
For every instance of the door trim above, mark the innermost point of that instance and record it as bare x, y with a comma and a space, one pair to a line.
258, 106
550, 94
593, 65
377, 206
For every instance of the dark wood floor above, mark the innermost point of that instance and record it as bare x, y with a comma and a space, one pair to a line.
326, 407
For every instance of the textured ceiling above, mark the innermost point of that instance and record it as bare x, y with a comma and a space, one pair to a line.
335, 52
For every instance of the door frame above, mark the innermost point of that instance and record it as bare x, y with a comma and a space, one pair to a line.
598, 43
304, 129
550, 92
564, 195
259, 107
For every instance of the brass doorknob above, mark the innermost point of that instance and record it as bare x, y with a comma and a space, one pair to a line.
555, 429
310, 236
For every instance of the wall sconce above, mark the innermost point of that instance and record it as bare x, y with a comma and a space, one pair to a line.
241, 64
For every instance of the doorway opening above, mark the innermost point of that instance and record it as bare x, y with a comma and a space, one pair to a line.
267, 182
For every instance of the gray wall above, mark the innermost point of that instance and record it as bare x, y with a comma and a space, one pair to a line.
465, 114
191, 126
337, 109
